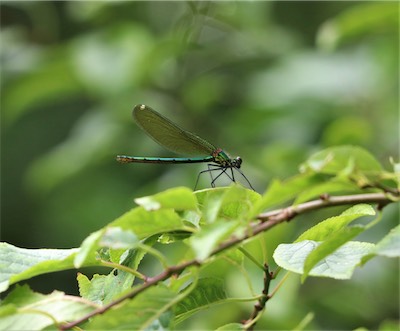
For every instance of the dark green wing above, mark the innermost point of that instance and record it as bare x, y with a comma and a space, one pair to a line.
168, 134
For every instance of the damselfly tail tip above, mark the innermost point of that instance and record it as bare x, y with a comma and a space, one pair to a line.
123, 159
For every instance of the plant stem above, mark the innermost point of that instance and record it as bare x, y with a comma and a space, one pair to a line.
260, 305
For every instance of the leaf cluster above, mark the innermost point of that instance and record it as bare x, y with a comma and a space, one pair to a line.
204, 229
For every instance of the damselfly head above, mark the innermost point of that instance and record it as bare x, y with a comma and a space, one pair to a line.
237, 162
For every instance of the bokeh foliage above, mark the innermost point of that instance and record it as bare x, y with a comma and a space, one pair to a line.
270, 81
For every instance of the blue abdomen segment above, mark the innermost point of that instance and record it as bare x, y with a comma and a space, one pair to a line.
163, 160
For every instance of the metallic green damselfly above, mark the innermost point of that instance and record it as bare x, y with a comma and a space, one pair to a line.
175, 139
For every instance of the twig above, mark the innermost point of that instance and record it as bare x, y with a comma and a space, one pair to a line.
260, 305
327, 201
268, 220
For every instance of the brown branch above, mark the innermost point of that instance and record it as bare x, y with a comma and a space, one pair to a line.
329, 201
268, 220
260, 305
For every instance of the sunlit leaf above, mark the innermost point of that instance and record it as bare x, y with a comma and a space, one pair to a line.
329, 246
24, 309
179, 198
335, 159
116, 238
325, 229
88, 249
145, 223
339, 265
390, 245
17, 264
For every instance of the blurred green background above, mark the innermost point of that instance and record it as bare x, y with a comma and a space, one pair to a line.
269, 81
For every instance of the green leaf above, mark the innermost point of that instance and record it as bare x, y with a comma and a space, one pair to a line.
235, 255
333, 160
210, 202
17, 264
237, 203
208, 291
179, 198
116, 238
162, 323
132, 257
192, 217
137, 313
24, 309
210, 236
88, 290
112, 237
230, 203
339, 265
145, 223
327, 228
105, 288
329, 246
333, 233
172, 237
183, 279
101, 289
88, 249
390, 245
